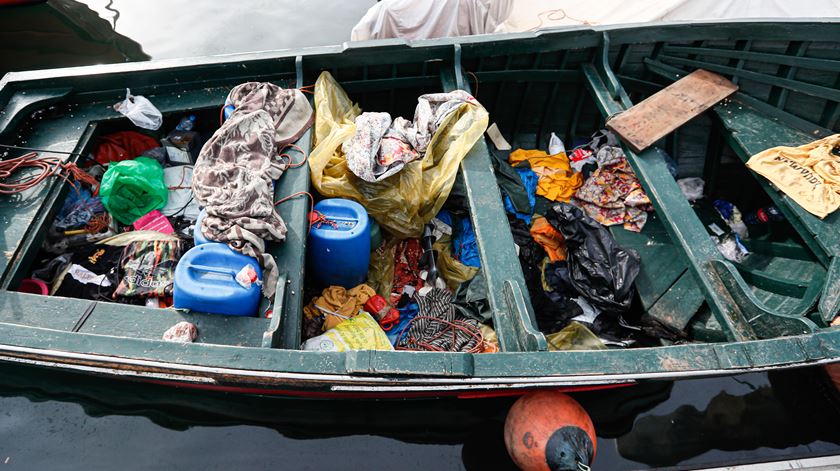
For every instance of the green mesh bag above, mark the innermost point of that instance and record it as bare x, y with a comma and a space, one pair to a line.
132, 188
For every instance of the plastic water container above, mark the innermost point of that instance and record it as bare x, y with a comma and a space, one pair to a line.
205, 281
198, 236
338, 253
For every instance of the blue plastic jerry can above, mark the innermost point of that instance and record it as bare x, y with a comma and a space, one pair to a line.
206, 281
338, 252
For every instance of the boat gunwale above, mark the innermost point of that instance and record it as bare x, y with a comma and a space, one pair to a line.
254, 365
248, 378
619, 34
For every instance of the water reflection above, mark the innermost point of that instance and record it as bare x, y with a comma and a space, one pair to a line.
60, 33
790, 412
651, 424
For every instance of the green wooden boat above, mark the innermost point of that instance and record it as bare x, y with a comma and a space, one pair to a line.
772, 311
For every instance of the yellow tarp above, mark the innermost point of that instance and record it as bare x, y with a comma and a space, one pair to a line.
403, 202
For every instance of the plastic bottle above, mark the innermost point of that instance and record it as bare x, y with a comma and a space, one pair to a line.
187, 123
763, 215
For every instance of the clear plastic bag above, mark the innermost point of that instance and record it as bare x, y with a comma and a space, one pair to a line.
403, 202
140, 111
692, 188
381, 268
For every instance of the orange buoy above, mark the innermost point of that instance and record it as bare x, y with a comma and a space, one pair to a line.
549, 431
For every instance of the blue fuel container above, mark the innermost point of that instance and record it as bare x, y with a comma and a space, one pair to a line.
339, 249
198, 236
205, 281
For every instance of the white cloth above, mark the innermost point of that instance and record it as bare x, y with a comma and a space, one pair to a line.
181, 202
530, 15
423, 19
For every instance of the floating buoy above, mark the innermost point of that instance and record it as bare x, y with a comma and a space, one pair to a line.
549, 431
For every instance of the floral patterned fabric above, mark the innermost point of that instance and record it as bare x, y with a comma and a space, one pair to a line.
612, 194
381, 147
377, 151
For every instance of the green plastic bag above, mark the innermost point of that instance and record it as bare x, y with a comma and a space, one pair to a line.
132, 188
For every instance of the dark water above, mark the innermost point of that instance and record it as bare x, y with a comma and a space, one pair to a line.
57, 421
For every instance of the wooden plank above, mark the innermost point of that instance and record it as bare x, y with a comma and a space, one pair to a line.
667, 110
679, 304
662, 264
817, 91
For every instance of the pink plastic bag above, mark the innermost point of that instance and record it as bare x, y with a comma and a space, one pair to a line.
154, 221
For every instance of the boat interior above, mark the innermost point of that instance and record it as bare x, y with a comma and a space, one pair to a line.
568, 83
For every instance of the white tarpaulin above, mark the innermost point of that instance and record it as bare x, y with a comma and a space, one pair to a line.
423, 19
420, 19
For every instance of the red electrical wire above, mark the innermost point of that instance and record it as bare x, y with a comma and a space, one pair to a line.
295, 164
295, 195
45, 167
475, 77
448, 328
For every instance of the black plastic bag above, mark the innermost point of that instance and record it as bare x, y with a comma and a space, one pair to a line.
471, 301
600, 270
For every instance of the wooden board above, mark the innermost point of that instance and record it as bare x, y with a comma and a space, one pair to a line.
670, 108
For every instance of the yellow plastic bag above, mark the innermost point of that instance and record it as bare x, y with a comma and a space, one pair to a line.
357, 333
574, 336
453, 271
403, 202
381, 268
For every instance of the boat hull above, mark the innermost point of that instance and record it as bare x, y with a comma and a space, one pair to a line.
261, 356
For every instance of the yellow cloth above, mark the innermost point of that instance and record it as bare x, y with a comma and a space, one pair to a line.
335, 299
549, 238
558, 182
809, 174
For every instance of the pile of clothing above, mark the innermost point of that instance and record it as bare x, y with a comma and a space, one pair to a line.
580, 281
122, 241
400, 171
595, 177
235, 171
430, 297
